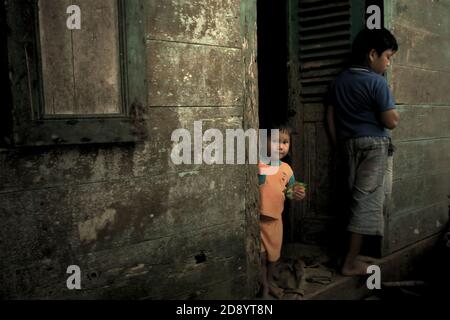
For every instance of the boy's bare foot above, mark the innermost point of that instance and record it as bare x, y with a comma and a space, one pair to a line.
357, 268
366, 259
271, 292
275, 291
265, 294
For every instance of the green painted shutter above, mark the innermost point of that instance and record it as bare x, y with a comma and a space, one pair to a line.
326, 32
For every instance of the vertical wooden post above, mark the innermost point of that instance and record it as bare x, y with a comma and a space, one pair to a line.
251, 120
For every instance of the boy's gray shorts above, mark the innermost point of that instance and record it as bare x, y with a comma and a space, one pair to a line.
370, 176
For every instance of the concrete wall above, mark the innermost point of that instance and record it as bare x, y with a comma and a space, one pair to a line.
137, 225
420, 80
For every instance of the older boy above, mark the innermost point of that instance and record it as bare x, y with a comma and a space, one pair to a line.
360, 113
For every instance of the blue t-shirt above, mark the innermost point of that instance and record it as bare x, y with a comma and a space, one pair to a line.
359, 95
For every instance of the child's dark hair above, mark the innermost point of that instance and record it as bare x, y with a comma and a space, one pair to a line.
283, 128
366, 40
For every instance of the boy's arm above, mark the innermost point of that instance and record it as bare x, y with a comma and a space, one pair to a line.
330, 121
390, 118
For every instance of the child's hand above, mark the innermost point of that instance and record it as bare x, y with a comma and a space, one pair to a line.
298, 192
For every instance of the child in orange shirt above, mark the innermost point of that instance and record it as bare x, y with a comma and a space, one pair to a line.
272, 188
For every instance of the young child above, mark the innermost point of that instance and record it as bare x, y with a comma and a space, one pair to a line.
272, 187
360, 113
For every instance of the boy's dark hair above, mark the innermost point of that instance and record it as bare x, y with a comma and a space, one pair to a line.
366, 40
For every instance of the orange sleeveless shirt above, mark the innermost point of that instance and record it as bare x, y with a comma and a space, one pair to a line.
271, 192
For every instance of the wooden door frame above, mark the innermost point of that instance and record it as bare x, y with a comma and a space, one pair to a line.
250, 121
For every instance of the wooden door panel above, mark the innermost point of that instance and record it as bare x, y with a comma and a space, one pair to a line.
323, 35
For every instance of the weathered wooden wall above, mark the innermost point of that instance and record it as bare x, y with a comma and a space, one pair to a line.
137, 225
420, 79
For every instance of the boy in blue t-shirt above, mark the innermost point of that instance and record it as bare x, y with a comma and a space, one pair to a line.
360, 114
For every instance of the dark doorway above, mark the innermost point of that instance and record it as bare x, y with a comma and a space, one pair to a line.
272, 62
273, 74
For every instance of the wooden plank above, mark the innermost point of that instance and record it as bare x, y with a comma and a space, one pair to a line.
56, 166
322, 63
419, 192
416, 225
96, 56
161, 268
84, 130
325, 26
318, 170
174, 259
420, 48
324, 172
110, 215
193, 75
326, 6
224, 290
393, 267
314, 112
419, 86
321, 73
428, 15
31, 231
57, 58
136, 56
138, 288
422, 122
197, 21
425, 157
335, 15
250, 110
310, 153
